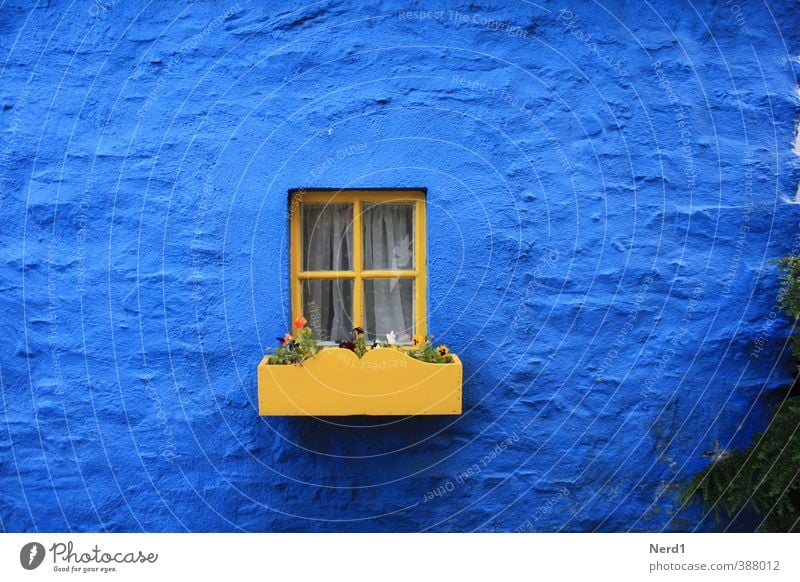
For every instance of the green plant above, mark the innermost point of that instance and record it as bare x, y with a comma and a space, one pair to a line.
789, 294
422, 348
764, 476
356, 342
425, 351
295, 349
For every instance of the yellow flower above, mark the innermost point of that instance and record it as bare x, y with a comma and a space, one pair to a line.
443, 350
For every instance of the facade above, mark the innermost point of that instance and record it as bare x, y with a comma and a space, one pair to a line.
605, 187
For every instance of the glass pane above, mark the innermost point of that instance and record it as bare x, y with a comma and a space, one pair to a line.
327, 237
328, 307
388, 236
389, 307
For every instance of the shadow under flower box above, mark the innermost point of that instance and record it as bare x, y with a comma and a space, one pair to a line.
336, 382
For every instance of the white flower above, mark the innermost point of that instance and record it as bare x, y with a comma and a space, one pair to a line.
391, 338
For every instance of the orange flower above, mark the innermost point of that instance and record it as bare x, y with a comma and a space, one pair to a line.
287, 338
300, 322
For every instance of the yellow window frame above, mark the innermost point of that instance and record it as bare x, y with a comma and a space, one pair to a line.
357, 197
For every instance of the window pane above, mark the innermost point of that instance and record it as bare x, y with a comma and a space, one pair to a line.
327, 237
328, 307
389, 306
388, 236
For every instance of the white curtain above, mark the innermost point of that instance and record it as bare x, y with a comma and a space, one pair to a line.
328, 246
389, 245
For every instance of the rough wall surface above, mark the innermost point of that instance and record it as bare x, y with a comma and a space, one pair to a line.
606, 186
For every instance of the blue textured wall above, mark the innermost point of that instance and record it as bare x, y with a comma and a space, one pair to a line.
607, 183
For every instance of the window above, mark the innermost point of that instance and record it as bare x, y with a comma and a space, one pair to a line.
358, 260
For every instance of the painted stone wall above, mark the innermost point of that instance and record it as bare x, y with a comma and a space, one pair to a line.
607, 185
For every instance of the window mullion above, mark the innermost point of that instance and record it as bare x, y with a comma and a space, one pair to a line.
325, 275
295, 261
358, 265
421, 267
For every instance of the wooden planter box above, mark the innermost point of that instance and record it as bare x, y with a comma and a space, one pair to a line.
336, 382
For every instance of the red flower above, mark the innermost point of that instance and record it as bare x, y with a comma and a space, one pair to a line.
300, 322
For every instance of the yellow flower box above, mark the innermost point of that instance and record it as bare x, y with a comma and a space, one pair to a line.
336, 382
